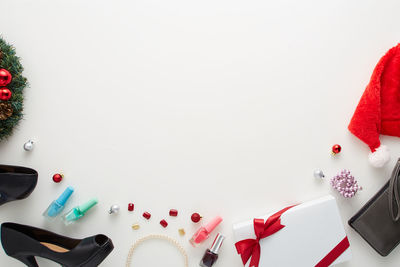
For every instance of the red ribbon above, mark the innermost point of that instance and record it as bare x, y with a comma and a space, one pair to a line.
334, 253
251, 247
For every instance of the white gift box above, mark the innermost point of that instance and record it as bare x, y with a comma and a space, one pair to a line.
312, 232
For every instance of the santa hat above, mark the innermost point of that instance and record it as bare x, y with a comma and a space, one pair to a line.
378, 111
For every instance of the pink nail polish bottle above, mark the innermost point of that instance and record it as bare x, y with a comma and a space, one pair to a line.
204, 232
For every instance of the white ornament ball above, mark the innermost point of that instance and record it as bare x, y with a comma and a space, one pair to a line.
380, 157
28, 146
114, 209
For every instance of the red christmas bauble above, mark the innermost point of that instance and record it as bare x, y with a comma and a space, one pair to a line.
336, 149
5, 77
57, 177
5, 94
195, 217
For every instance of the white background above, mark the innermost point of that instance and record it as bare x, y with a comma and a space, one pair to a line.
220, 107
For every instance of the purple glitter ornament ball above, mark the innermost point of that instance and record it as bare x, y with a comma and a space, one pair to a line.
345, 184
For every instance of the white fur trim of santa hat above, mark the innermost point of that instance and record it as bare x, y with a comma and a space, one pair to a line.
379, 157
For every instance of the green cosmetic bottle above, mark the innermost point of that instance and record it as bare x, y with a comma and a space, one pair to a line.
78, 212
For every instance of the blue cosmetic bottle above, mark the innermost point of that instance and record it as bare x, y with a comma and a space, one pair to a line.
58, 205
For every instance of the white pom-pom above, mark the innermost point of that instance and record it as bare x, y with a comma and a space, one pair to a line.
380, 157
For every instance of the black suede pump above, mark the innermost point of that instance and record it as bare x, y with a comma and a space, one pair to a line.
24, 242
16, 182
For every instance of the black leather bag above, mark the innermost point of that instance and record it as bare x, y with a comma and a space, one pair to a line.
378, 222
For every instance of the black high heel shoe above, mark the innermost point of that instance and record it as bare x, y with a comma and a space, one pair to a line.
16, 182
24, 242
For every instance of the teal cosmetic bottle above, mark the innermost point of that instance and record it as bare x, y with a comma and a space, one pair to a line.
79, 211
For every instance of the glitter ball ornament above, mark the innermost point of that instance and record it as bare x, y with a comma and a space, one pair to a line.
5, 111
336, 149
147, 215
131, 206
195, 217
5, 94
114, 209
58, 177
28, 146
164, 223
173, 212
319, 174
181, 232
345, 184
5, 77
135, 226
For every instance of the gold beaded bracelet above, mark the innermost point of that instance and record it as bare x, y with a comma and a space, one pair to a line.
159, 237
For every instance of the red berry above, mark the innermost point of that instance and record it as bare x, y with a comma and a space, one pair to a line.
57, 177
195, 217
173, 212
336, 149
131, 207
147, 215
164, 223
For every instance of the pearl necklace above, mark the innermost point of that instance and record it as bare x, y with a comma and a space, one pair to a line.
159, 237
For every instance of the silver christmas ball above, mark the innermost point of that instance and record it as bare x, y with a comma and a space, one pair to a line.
28, 146
114, 209
319, 174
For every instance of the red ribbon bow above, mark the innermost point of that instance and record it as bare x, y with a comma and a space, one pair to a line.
251, 247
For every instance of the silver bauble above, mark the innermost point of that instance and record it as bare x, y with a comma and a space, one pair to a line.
114, 209
28, 146
319, 174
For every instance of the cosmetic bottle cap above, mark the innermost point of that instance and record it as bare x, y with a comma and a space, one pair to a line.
63, 198
88, 205
217, 243
212, 224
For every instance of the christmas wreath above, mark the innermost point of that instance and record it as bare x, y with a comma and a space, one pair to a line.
12, 85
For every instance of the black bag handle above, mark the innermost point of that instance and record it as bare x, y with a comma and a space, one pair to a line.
394, 198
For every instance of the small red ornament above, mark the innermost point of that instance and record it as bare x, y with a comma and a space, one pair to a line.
5, 94
173, 212
131, 207
164, 223
57, 177
147, 215
195, 217
5, 77
336, 149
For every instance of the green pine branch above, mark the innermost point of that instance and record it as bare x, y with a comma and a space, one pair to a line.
11, 62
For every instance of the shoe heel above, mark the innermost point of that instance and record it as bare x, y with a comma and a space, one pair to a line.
29, 261
19, 246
